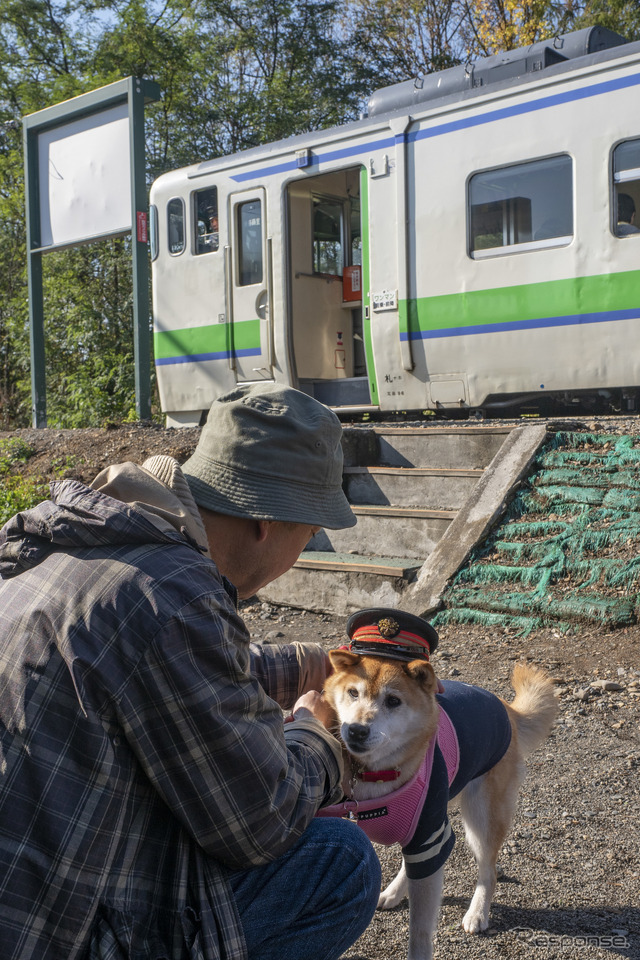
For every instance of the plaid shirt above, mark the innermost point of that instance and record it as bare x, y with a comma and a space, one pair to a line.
141, 752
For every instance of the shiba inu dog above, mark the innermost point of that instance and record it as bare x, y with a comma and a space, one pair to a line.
414, 744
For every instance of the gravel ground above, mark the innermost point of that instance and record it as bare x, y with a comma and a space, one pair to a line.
571, 866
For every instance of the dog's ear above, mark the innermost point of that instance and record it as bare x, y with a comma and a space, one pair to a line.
342, 659
422, 671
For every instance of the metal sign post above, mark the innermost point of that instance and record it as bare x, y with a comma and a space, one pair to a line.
77, 155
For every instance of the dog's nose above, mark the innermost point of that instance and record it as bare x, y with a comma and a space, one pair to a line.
358, 732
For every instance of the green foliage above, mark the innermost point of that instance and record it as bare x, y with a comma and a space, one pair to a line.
393, 40
89, 334
232, 75
20, 493
13, 451
622, 16
16, 492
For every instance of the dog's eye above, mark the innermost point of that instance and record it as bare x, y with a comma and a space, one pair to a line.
392, 701
353, 693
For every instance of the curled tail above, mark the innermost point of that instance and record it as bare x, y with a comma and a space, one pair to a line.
535, 706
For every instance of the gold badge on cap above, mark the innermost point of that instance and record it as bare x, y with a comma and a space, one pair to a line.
388, 628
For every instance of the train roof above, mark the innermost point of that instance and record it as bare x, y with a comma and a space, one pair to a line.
510, 67
498, 73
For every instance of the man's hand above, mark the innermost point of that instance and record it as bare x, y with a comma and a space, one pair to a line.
313, 704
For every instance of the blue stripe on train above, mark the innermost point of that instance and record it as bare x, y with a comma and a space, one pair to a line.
199, 357
537, 323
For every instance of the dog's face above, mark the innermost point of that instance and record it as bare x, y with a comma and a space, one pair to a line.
386, 709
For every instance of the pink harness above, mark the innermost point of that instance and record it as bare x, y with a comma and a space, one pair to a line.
393, 818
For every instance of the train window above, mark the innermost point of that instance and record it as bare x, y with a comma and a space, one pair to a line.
626, 188
328, 243
175, 225
206, 208
249, 226
527, 205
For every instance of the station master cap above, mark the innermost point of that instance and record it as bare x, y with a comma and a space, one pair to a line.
389, 633
270, 452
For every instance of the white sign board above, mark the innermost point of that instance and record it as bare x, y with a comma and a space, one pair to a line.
85, 178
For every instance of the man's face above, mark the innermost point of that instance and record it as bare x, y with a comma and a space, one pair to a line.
277, 553
252, 553
288, 540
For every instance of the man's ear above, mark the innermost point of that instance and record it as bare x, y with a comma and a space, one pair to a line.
263, 528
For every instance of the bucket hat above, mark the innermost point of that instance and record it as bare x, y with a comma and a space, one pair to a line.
270, 452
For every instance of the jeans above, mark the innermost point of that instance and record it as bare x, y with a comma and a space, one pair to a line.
314, 901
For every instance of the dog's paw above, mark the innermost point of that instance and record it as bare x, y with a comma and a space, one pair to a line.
389, 899
474, 921
394, 893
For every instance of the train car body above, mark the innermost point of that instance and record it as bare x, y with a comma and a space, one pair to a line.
465, 246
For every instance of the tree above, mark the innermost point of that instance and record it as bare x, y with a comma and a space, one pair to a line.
42, 58
14, 366
261, 71
394, 40
232, 74
622, 16
495, 25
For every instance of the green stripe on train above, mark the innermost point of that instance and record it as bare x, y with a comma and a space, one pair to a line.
215, 338
527, 301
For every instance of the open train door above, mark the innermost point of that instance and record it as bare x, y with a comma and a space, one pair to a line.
328, 244
249, 282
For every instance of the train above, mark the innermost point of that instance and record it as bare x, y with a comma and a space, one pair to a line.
468, 247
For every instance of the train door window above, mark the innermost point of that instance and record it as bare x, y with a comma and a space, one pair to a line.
249, 229
626, 189
525, 206
355, 232
206, 220
175, 226
328, 236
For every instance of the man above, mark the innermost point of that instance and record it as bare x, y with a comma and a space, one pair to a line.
626, 216
152, 802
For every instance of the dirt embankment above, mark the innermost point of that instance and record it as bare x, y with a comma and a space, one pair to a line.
81, 454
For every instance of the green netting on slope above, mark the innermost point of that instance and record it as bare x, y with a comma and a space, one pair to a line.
600, 475
585, 573
590, 533
536, 528
591, 449
487, 619
591, 609
566, 551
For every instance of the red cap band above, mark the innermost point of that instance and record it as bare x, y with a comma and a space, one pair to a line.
372, 633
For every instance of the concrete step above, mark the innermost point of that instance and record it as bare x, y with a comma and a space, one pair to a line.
443, 447
453, 447
398, 567
444, 489
343, 583
404, 531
